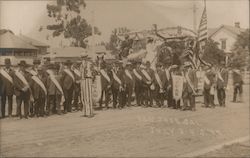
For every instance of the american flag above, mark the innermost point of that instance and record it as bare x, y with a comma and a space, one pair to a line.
202, 32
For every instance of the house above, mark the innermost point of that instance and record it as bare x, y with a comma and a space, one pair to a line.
42, 47
226, 36
13, 47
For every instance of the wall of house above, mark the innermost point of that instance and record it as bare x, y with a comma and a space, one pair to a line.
228, 36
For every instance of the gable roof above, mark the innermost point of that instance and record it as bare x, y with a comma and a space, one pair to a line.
33, 41
234, 30
9, 40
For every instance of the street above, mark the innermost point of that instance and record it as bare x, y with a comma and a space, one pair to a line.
134, 131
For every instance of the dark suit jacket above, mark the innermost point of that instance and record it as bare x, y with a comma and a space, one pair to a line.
104, 82
193, 80
237, 78
18, 85
66, 81
37, 91
51, 88
128, 81
211, 76
6, 88
163, 78
150, 73
224, 75
120, 75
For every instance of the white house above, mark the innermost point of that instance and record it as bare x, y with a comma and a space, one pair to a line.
226, 36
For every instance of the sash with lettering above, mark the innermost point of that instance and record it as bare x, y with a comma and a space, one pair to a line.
40, 83
137, 75
219, 75
25, 82
56, 83
6, 75
167, 74
177, 86
145, 73
157, 77
187, 79
105, 75
67, 71
128, 74
116, 77
77, 72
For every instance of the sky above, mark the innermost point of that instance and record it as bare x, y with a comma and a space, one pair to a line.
26, 17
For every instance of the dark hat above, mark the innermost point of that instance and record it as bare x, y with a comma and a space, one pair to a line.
50, 66
23, 63
148, 63
7, 61
36, 61
158, 65
68, 62
84, 55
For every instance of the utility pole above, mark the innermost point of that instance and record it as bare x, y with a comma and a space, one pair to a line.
194, 16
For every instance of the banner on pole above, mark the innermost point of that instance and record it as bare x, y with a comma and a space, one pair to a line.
177, 87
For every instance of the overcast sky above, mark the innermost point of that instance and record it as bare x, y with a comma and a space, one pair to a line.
27, 16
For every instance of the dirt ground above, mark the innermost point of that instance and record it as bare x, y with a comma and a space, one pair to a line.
130, 132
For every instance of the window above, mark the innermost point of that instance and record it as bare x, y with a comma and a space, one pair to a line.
223, 44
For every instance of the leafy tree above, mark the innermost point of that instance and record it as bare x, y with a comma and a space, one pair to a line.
68, 21
212, 53
240, 56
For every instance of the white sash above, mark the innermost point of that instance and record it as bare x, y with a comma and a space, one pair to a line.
167, 74
189, 82
220, 77
22, 78
32, 72
128, 74
77, 72
116, 77
58, 86
105, 75
69, 73
137, 75
157, 77
206, 80
40, 83
145, 73
6, 75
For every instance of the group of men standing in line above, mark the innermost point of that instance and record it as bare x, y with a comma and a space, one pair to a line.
42, 89
45, 89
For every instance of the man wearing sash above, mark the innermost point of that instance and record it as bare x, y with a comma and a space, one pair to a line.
237, 83
54, 91
168, 84
105, 84
22, 89
39, 92
149, 85
129, 80
138, 84
222, 80
176, 70
189, 87
160, 79
208, 92
33, 72
7, 88
68, 80
77, 89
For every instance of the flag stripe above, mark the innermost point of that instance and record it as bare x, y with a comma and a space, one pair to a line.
202, 31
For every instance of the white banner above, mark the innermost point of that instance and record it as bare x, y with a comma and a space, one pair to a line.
177, 86
96, 89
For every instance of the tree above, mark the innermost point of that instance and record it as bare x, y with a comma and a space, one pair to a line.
212, 53
68, 21
240, 56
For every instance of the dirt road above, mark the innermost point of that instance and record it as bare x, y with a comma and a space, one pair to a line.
132, 131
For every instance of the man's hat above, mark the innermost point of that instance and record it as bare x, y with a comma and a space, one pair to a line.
84, 55
7, 61
40, 68
68, 62
23, 63
147, 63
50, 66
36, 61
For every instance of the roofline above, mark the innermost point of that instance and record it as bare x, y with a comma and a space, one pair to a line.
221, 28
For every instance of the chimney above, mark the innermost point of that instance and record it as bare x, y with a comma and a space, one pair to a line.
237, 24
